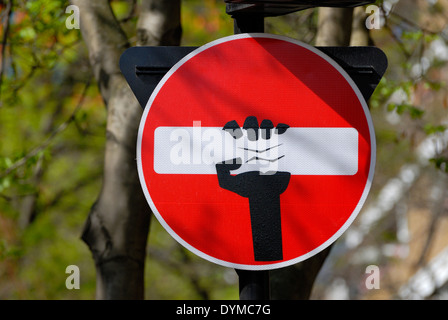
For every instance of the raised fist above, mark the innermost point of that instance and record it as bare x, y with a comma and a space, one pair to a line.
263, 190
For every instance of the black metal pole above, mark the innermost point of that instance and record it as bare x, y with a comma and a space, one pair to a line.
246, 22
253, 285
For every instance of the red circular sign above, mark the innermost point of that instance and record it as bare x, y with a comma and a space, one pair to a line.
302, 192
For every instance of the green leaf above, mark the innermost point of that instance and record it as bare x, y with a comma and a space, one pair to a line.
27, 33
440, 163
415, 113
434, 85
391, 107
432, 129
412, 35
5, 183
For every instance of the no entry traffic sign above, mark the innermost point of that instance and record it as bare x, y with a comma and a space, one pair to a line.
256, 151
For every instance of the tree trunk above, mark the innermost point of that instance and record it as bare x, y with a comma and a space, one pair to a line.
296, 281
334, 26
117, 227
360, 34
159, 23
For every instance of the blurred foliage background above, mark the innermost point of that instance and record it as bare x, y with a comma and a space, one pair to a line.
52, 134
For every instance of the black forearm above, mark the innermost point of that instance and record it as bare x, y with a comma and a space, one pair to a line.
266, 227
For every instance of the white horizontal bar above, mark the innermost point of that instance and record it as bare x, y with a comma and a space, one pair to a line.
300, 151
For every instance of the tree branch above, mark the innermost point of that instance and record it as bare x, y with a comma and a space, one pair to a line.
6, 24
34, 152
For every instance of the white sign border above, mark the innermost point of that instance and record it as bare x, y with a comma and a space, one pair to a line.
275, 265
